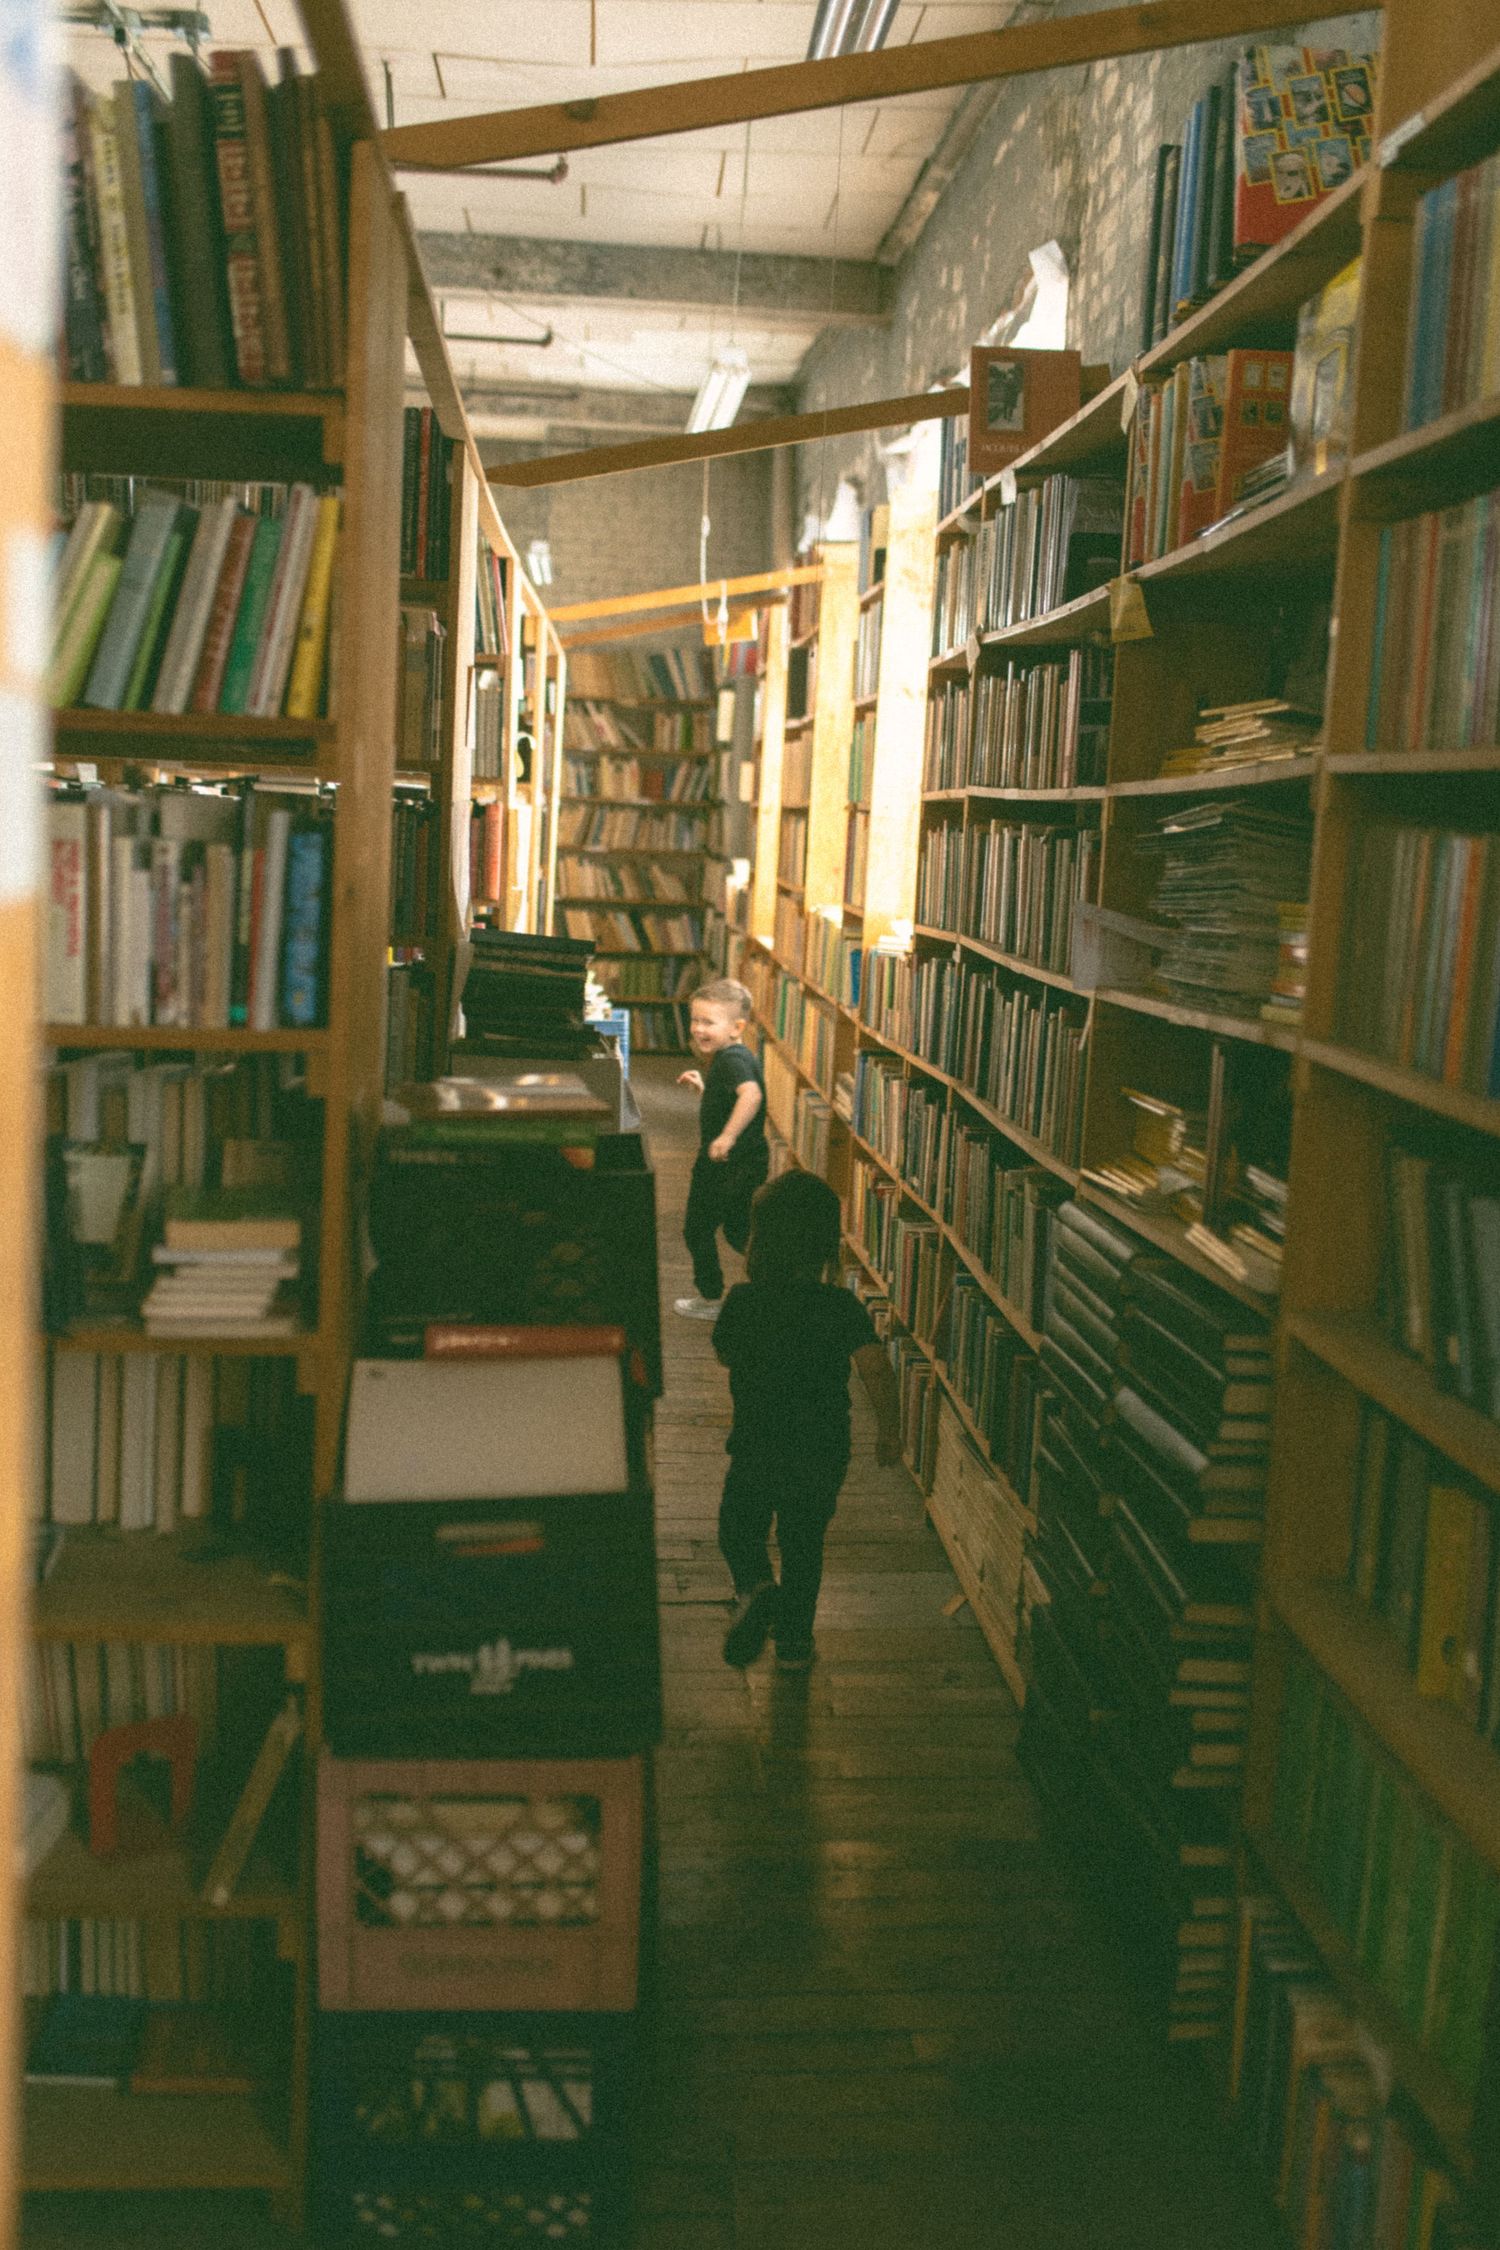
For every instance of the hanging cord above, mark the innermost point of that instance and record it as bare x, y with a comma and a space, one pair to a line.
838, 206
705, 521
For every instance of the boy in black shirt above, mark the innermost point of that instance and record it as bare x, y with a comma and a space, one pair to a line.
788, 1337
732, 1157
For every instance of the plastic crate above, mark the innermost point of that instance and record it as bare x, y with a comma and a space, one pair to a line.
491, 1629
477, 1884
616, 1026
488, 2216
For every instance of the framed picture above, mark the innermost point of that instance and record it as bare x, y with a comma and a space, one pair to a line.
1334, 159
1015, 398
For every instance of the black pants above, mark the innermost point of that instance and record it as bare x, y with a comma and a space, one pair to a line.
719, 1195
800, 1501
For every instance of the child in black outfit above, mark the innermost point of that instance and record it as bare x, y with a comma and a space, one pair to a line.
732, 1157
788, 1337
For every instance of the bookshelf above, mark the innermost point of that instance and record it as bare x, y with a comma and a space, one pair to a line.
632, 843
224, 1600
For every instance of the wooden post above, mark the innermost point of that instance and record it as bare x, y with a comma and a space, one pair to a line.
772, 742
901, 712
833, 723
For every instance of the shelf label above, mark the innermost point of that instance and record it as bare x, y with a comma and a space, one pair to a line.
1128, 616
1130, 391
1406, 131
1008, 487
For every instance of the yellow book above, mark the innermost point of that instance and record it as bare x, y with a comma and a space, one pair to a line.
244, 1824
1489, 373
312, 633
1443, 1630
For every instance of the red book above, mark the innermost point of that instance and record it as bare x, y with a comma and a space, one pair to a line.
424, 482
237, 203
1257, 394
222, 617
447, 1340
1463, 960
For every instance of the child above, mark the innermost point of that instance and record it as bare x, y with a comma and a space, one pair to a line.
787, 1337
732, 1157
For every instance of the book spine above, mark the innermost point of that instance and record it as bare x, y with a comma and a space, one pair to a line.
127, 144
154, 215
75, 654
270, 906
204, 336
184, 647
335, 254
67, 912
304, 950
260, 572
268, 688
237, 205
114, 239
84, 325
111, 668
268, 253
283, 133
305, 683
164, 592
219, 631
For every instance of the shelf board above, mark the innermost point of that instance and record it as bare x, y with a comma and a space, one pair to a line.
1396, 763
157, 429
202, 1041
1081, 793
1357, 1350
156, 1886
1291, 535
1444, 462
1078, 620
1478, 1111
192, 739
1094, 435
1170, 1234
1265, 773
955, 659
1027, 1142
1260, 305
864, 703
1445, 1757
433, 593
1459, 128
146, 1586
872, 594
955, 524
641, 804
128, 1336
1247, 1028
1440, 2102
1014, 962
92, 2138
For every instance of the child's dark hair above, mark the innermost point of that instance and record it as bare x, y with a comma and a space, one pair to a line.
794, 1229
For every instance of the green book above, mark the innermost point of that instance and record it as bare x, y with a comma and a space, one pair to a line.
1380, 1847
258, 575
1461, 2034
1426, 1910
143, 670
76, 651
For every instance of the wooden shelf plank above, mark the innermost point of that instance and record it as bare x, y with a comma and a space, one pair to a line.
1260, 305
1094, 436
1292, 535
1266, 773
959, 522
113, 428
1015, 962
1170, 1234
1396, 763
147, 1586
200, 1041
1078, 620
1444, 1756
1459, 128
1474, 1110
127, 1337
1248, 1028
91, 2138
156, 1886
1445, 461
1083, 793
1355, 1349
1441, 2104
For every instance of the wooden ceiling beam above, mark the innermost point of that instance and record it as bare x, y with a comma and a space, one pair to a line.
787, 89
679, 597
746, 437
643, 626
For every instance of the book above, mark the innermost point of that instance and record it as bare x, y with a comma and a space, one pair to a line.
1302, 127
245, 1822
229, 1219
563, 1418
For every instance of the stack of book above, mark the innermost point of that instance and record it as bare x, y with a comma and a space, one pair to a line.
1435, 661
427, 498
1421, 969
225, 1265
204, 235
1246, 734
1207, 439
1057, 540
1443, 1256
193, 907
1452, 344
526, 994
1228, 867
165, 606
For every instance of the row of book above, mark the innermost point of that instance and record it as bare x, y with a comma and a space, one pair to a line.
201, 907
904, 1120
415, 896
419, 689
427, 458
904, 1247
621, 932
816, 1043
650, 979
1197, 441
661, 675
1059, 539
1443, 1259
203, 1123
789, 925
584, 827
1452, 326
1435, 659
1002, 1209
229, 1964
956, 481
410, 1022
856, 856
1423, 1557
487, 752
1257, 152
491, 604
643, 882
174, 608
831, 959
812, 1127
1230, 871
861, 759
1416, 1905
684, 782
1038, 726
73, 1690
995, 1374
796, 769
1015, 885
791, 851
205, 235
867, 651
660, 1031
593, 724
1420, 977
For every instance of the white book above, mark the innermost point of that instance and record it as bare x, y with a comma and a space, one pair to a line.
265, 976
107, 1452
168, 1448
195, 601
67, 911
137, 1439
197, 1438
273, 658
138, 946
284, 1262
432, 1429
218, 933
114, 241
75, 1407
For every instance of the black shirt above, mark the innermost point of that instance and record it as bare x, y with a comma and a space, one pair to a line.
787, 1347
730, 1069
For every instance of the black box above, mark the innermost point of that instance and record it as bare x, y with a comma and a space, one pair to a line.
491, 1628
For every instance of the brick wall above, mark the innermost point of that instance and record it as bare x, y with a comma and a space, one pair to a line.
629, 534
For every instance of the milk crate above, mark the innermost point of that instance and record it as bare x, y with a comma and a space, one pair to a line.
486, 2216
476, 1884
491, 1629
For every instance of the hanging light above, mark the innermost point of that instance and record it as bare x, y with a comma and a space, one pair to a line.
721, 392
539, 562
850, 27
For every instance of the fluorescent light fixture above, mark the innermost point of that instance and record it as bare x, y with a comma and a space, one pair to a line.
539, 562
850, 27
721, 392
739, 874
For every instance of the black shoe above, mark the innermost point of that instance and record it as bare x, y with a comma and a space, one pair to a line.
750, 1627
795, 1656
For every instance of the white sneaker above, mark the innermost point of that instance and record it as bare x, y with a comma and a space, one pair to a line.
699, 1308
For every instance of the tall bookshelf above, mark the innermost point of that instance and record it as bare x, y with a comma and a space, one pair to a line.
633, 832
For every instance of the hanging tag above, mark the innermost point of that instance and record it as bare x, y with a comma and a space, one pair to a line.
1007, 487
1130, 392
1128, 618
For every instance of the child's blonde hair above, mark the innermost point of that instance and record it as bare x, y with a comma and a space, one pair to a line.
723, 992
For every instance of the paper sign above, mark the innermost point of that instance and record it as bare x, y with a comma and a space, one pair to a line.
1130, 391
1007, 488
1128, 619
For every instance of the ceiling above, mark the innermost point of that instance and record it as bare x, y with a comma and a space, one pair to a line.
824, 186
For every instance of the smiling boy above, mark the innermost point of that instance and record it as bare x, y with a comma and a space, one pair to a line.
732, 1156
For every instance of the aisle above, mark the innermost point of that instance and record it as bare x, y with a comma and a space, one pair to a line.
884, 2019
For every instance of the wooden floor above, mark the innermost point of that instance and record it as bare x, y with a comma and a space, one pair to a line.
885, 2019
